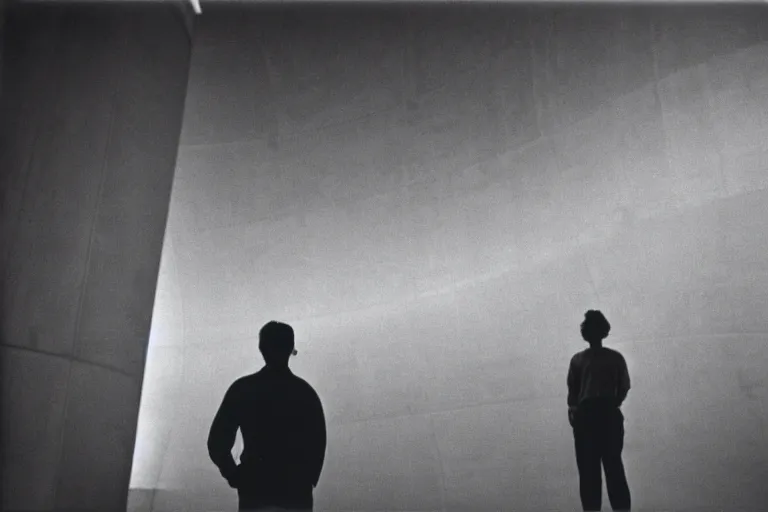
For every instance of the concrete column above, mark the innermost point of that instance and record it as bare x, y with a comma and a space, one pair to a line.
91, 108
2, 38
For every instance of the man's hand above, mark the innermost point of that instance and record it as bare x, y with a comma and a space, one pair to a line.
571, 415
234, 479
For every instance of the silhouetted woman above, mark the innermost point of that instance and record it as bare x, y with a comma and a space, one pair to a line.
598, 383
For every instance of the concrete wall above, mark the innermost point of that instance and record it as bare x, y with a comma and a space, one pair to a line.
3, 8
433, 197
92, 105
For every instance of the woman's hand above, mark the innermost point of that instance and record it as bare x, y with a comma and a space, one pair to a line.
234, 480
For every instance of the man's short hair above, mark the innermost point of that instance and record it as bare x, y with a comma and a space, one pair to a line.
596, 323
276, 340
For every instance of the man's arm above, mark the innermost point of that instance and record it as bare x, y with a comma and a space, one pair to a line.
574, 384
574, 387
319, 439
623, 384
221, 438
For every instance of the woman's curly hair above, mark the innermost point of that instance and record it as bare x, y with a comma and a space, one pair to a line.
595, 325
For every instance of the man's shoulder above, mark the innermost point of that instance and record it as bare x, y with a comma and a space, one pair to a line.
615, 357
304, 385
246, 382
260, 378
239, 383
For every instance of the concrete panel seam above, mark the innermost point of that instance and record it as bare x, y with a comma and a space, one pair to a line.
68, 358
459, 408
493, 403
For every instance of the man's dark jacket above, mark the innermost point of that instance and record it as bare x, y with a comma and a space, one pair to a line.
282, 423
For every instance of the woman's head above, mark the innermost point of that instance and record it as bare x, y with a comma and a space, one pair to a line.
595, 326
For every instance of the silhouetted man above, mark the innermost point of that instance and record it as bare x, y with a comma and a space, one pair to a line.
282, 423
598, 383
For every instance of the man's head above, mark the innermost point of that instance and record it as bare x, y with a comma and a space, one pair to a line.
595, 327
276, 343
